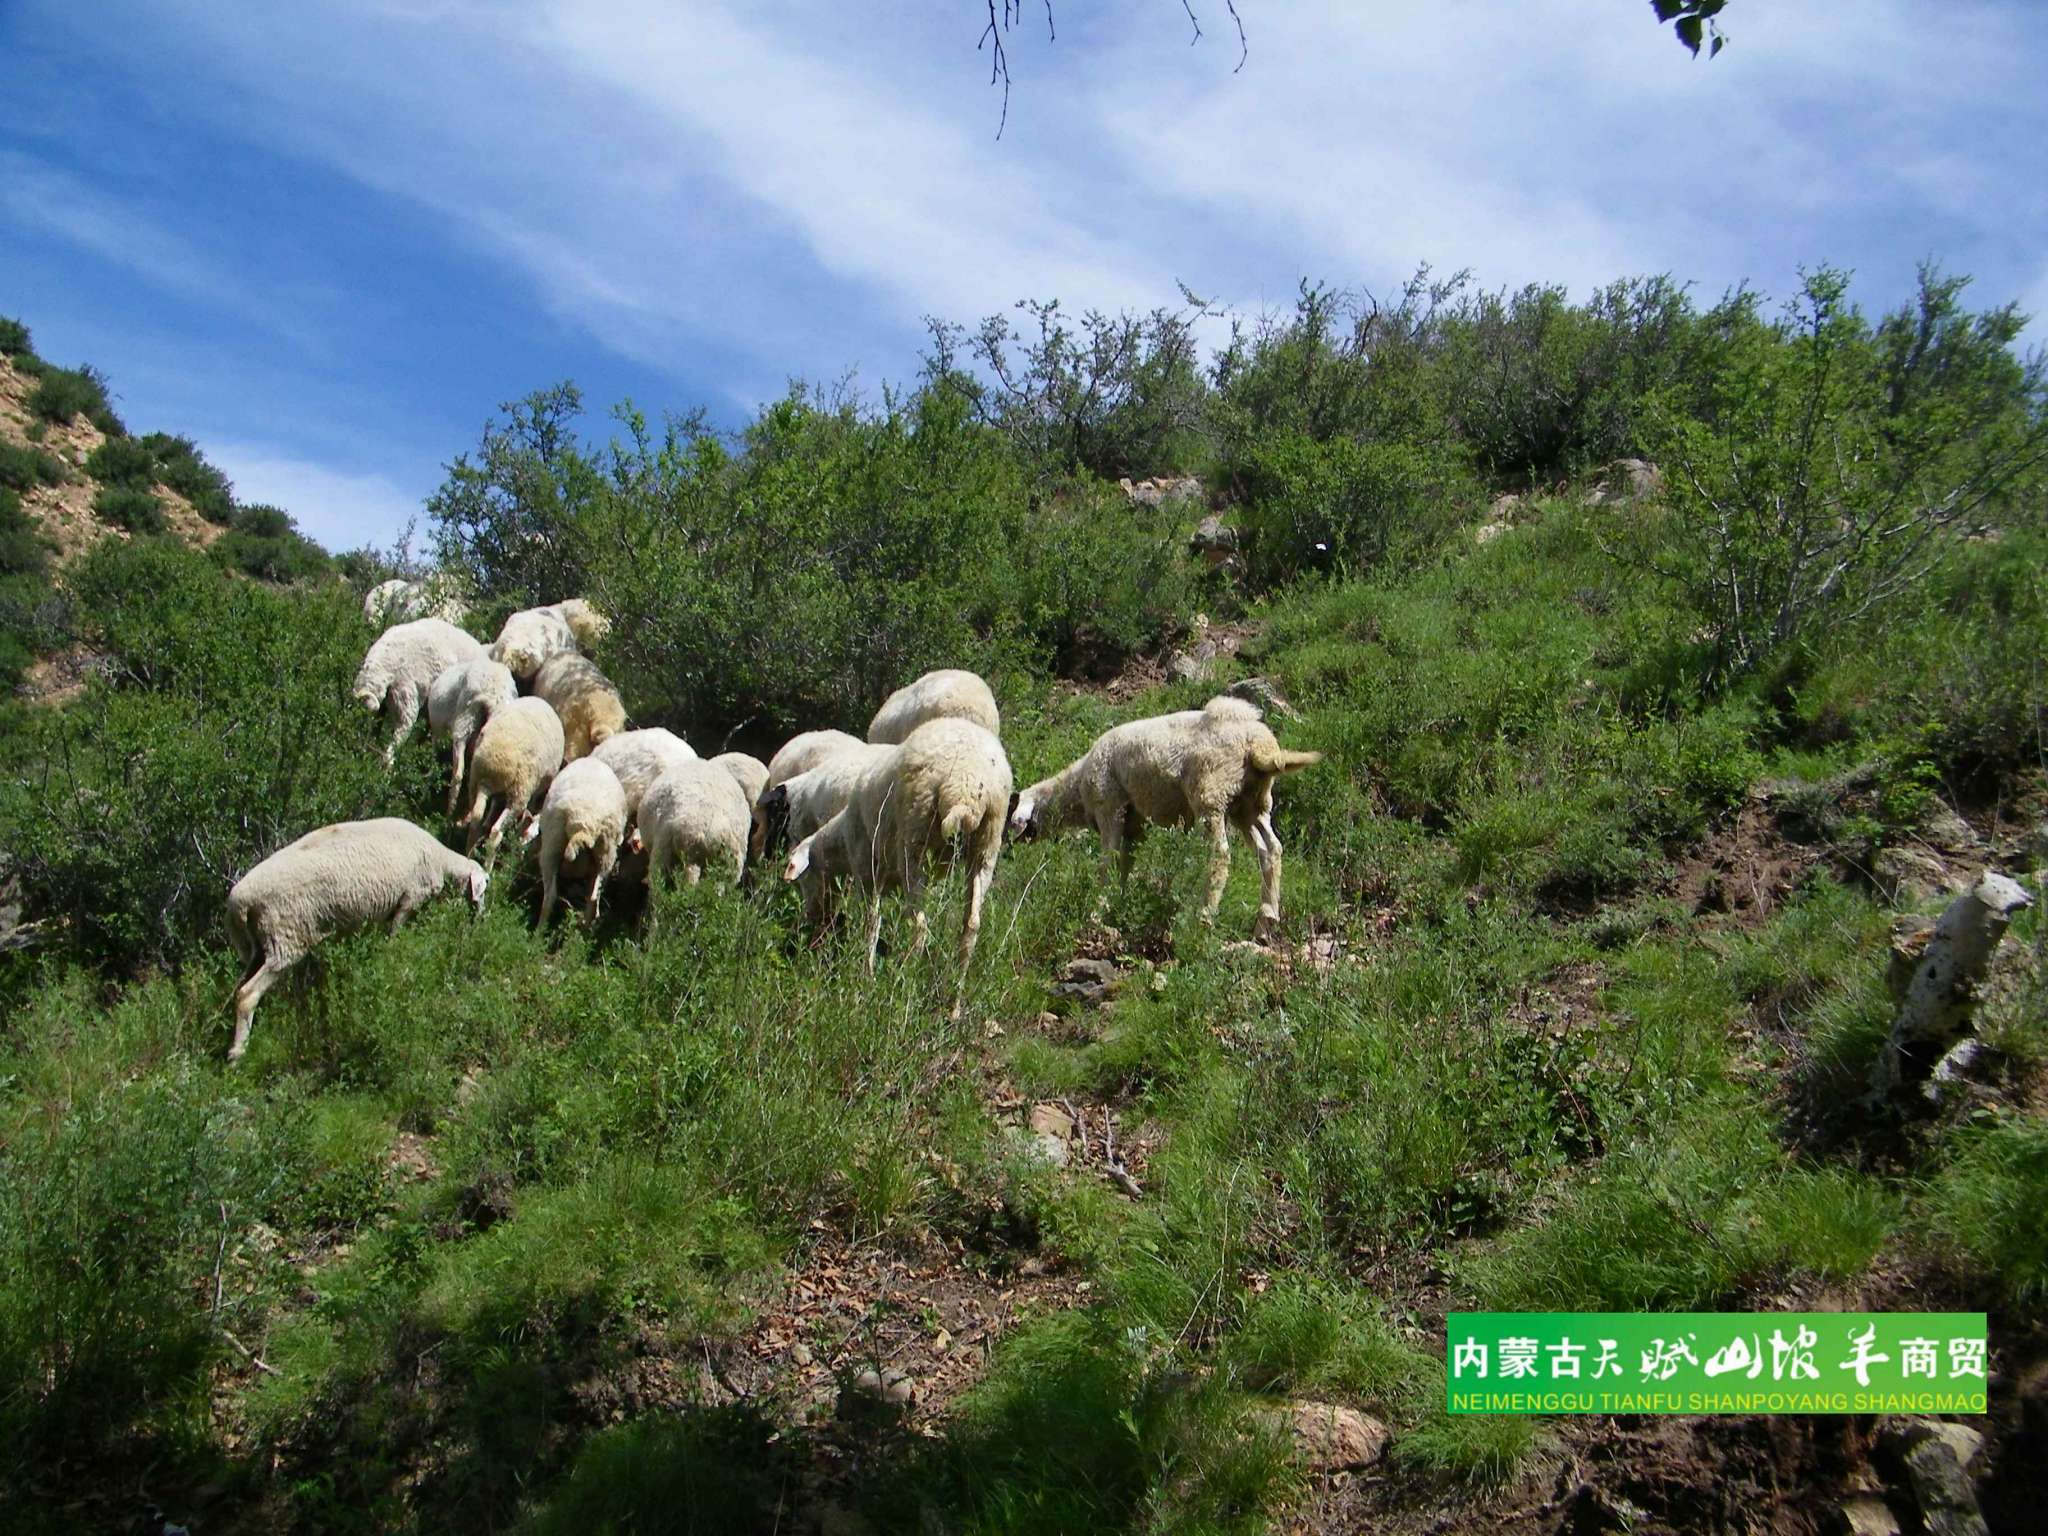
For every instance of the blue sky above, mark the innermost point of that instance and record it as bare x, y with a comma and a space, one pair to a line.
327, 239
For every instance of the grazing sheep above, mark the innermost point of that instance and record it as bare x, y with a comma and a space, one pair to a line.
800, 754
461, 699
948, 694
583, 820
639, 758
400, 668
751, 772
529, 638
518, 753
1213, 766
696, 815
791, 811
395, 601
584, 697
584, 621
939, 797
329, 881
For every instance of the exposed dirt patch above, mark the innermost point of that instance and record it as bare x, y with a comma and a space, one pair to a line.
1745, 869
1197, 655
64, 512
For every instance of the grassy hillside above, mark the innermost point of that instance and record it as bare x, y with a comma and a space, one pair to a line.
1587, 916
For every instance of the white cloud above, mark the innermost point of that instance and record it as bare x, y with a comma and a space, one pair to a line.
342, 507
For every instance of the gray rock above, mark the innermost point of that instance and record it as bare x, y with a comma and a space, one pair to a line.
1331, 1438
1625, 481
1907, 875
1087, 981
1050, 1120
1937, 1455
1865, 1514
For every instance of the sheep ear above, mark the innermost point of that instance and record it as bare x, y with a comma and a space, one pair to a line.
1016, 799
799, 860
532, 830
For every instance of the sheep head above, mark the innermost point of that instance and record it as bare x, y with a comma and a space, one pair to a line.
1024, 819
770, 823
478, 880
799, 859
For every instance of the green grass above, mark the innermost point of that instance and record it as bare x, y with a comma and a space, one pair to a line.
1986, 1206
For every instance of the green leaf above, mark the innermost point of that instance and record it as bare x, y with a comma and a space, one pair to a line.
1689, 30
1720, 42
1666, 9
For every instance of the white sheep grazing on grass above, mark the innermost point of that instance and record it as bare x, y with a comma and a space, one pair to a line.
395, 601
461, 699
400, 669
751, 772
639, 758
792, 810
947, 694
800, 754
1212, 767
581, 825
529, 637
938, 798
588, 702
518, 753
694, 815
330, 881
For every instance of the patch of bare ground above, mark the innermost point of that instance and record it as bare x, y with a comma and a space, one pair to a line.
1746, 868
64, 512
1206, 643
60, 677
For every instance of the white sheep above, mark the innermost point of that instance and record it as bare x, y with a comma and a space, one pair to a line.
1213, 767
529, 637
800, 754
791, 811
751, 772
696, 815
639, 758
461, 699
947, 694
581, 823
939, 798
517, 755
398, 600
329, 881
400, 669
584, 621
584, 697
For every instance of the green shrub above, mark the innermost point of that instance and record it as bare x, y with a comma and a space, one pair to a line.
122, 462
14, 339
28, 603
129, 507
23, 469
265, 543
182, 467
63, 393
1342, 506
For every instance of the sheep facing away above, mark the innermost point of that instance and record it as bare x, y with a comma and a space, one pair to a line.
331, 880
751, 772
529, 637
396, 601
587, 701
947, 694
694, 815
938, 798
792, 810
800, 754
399, 671
581, 826
461, 699
584, 621
518, 753
639, 758
1213, 767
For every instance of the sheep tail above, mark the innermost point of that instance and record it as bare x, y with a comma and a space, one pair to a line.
1270, 757
240, 938
958, 822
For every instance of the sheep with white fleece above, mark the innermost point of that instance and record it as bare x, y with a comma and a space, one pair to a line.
584, 697
639, 758
800, 754
694, 815
1212, 767
396, 601
947, 694
938, 798
461, 699
792, 810
751, 772
330, 881
400, 668
581, 826
518, 753
529, 637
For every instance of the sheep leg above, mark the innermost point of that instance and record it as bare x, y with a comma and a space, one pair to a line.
550, 872
874, 928
1219, 863
406, 908
1258, 831
591, 907
497, 836
247, 996
458, 769
403, 705
970, 930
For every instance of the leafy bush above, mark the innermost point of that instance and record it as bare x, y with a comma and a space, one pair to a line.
1987, 1205
123, 462
63, 393
265, 543
181, 466
130, 507
1343, 505
23, 469
219, 740
27, 599
14, 339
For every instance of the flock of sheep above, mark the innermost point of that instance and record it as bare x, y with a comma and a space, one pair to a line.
539, 742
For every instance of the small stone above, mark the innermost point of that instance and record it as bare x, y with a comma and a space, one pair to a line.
1051, 1120
1048, 1148
1937, 1455
941, 1342
1332, 1438
800, 1353
871, 1389
1086, 980
1910, 934
1158, 984
1486, 533
1907, 876
1865, 1514
991, 1030
1048, 1020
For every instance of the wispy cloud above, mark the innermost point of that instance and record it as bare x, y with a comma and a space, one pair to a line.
342, 507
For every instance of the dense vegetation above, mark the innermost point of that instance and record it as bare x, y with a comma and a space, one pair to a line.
474, 1187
